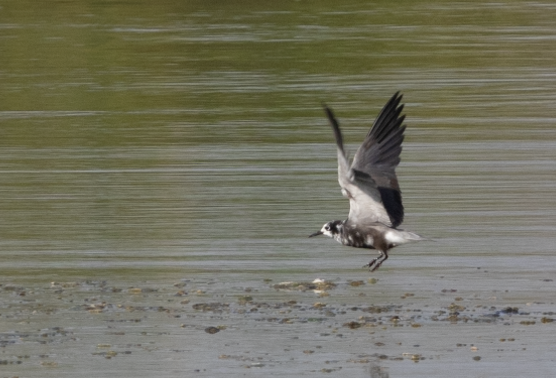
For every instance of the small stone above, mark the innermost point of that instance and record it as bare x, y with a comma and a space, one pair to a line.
352, 325
212, 330
50, 364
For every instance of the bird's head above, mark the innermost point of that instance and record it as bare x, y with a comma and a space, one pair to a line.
330, 229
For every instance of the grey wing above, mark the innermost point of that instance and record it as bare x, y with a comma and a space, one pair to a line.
365, 204
379, 155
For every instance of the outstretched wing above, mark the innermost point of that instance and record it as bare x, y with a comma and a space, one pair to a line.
365, 203
379, 155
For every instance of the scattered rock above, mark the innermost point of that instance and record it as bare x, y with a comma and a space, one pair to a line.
212, 330
353, 325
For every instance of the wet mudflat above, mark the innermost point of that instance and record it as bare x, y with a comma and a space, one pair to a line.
205, 326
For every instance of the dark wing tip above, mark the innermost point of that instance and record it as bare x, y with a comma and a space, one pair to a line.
335, 127
389, 118
397, 97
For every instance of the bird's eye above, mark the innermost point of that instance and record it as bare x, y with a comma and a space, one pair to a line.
327, 228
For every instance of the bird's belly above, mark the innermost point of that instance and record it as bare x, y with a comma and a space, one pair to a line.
357, 240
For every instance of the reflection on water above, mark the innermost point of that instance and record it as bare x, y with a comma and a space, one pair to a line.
145, 146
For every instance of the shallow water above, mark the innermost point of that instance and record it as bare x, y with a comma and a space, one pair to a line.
161, 169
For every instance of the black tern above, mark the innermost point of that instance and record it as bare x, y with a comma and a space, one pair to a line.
370, 183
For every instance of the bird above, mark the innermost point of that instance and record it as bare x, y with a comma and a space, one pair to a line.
370, 183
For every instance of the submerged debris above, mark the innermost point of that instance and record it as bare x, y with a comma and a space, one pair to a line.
213, 307
317, 284
510, 310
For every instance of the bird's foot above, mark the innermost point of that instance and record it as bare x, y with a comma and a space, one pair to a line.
375, 263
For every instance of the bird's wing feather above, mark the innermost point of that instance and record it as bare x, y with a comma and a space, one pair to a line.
364, 197
379, 155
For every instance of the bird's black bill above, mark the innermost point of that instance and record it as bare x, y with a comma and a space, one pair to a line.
316, 234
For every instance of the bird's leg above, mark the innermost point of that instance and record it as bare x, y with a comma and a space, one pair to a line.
377, 262
373, 261
384, 256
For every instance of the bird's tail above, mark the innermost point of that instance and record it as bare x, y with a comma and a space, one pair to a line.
411, 236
